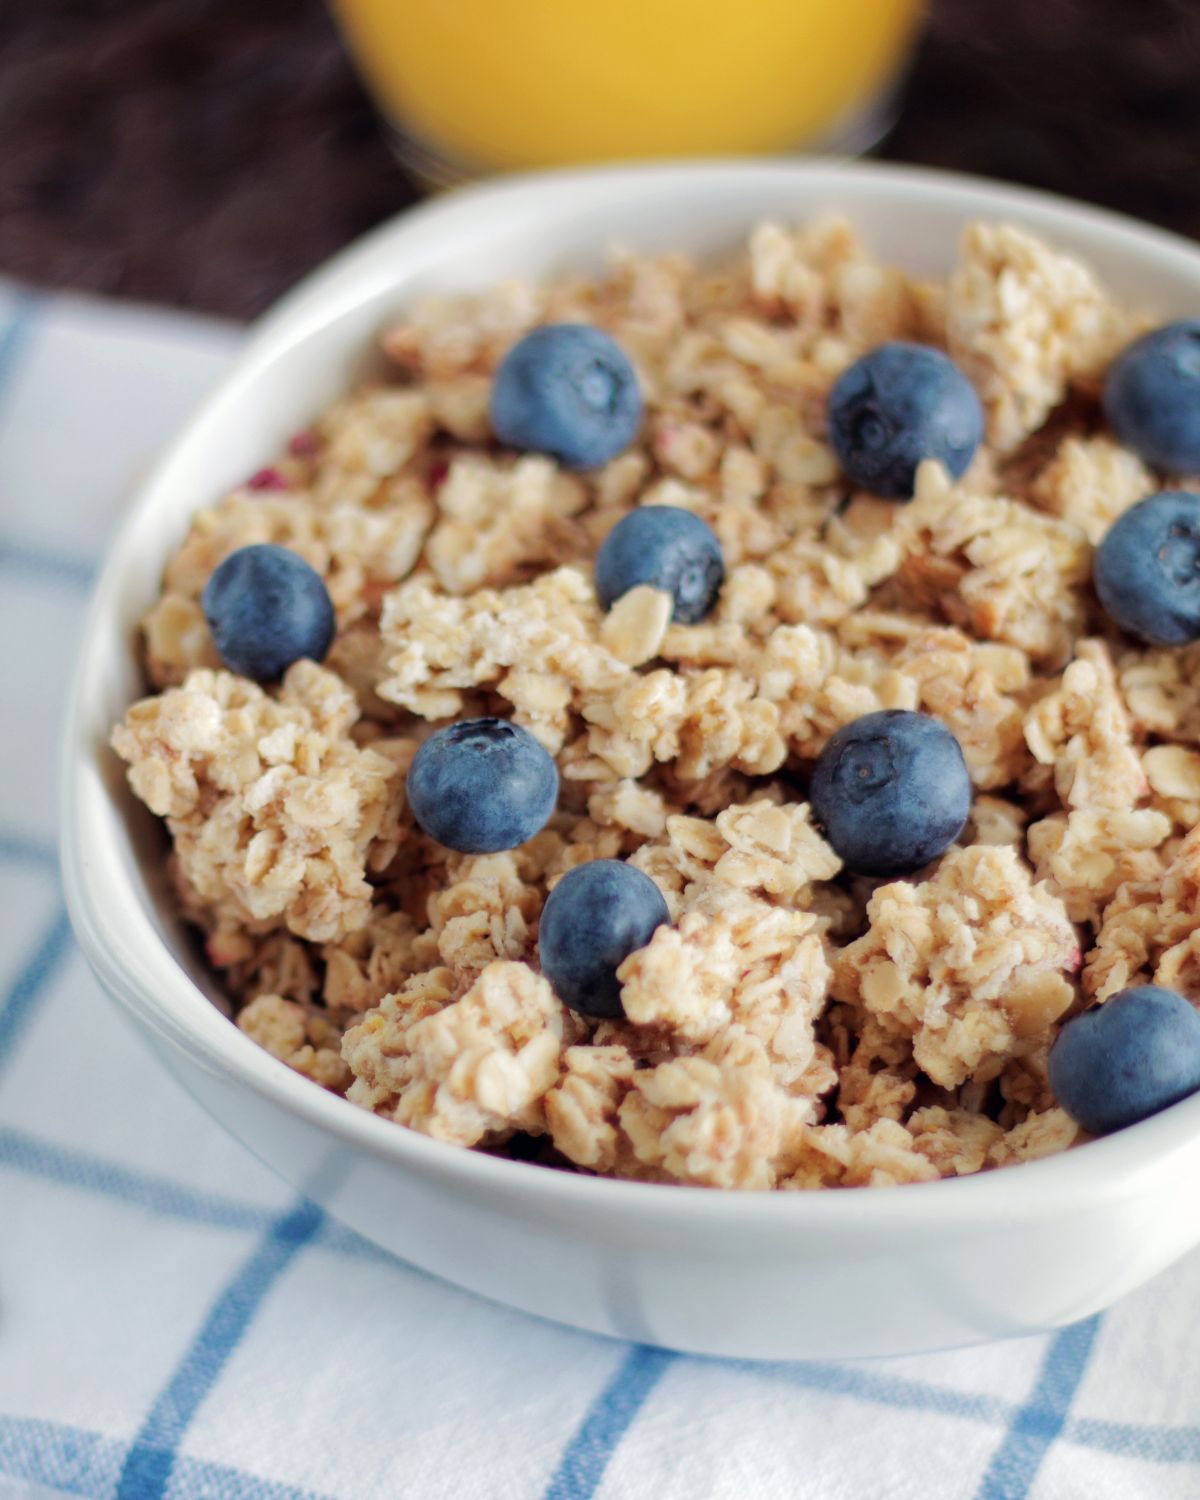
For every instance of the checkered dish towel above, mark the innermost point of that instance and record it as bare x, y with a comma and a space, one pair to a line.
174, 1323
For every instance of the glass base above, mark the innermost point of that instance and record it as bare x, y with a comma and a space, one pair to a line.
854, 134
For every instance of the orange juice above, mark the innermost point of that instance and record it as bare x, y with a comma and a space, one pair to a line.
494, 84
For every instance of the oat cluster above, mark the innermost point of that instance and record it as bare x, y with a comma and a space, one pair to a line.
793, 1027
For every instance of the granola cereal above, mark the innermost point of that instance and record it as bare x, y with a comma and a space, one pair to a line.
793, 1026
971, 965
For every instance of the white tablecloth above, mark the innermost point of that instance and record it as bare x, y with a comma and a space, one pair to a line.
173, 1322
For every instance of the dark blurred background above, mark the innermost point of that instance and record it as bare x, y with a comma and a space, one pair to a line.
208, 152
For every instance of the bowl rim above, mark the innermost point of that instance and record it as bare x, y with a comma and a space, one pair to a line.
153, 986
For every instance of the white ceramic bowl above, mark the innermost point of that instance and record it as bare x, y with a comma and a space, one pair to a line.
783, 1275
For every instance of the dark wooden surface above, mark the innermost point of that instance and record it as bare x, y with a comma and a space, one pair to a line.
207, 152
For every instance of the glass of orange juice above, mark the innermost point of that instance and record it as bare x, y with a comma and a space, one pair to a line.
471, 86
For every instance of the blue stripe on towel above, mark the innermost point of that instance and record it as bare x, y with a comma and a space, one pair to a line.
27, 849
78, 1461
72, 1167
606, 1422
147, 1469
19, 1001
45, 564
1040, 1420
159, 1195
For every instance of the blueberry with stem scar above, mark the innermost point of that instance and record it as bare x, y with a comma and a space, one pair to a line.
1147, 569
669, 549
482, 785
568, 390
896, 406
891, 792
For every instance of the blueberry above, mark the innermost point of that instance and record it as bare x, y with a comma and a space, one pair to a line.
482, 785
594, 918
891, 792
669, 548
1152, 396
1126, 1059
567, 390
896, 406
267, 608
1147, 569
